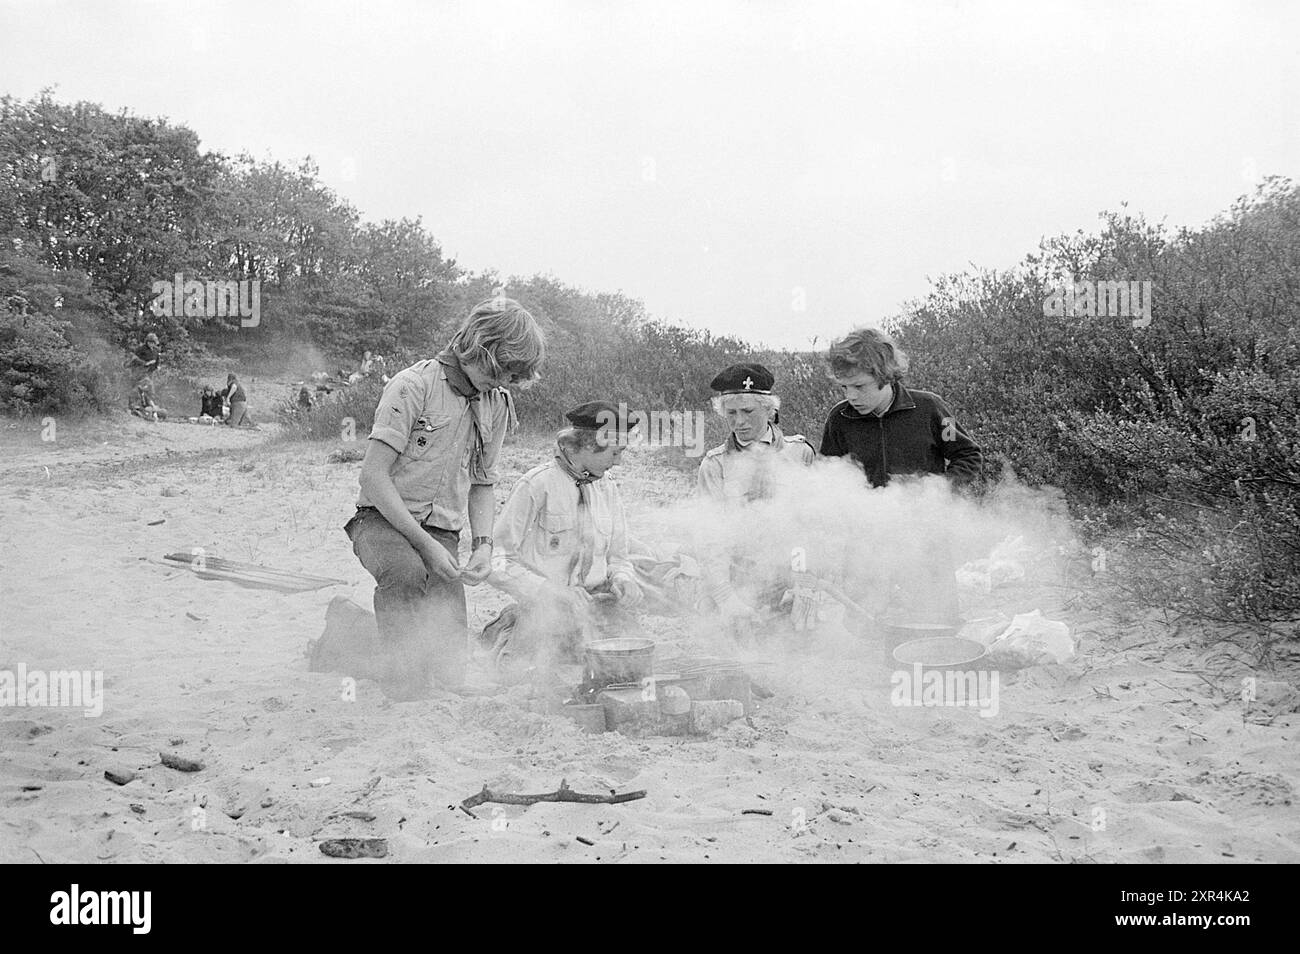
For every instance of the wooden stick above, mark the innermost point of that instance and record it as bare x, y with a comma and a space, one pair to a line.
220, 563
837, 594
217, 568
562, 794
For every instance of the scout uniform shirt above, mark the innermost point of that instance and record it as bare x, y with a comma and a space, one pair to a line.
447, 435
553, 529
731, 473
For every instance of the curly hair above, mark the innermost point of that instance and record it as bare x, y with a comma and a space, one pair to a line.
870, 350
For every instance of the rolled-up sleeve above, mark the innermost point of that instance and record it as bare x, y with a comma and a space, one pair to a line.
398, 410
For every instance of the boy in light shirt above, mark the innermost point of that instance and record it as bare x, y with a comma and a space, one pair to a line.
431, 456
561, 542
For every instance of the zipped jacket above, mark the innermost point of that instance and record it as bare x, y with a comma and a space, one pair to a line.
919, 434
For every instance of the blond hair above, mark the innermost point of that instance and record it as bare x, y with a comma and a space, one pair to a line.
504, 330
770, 401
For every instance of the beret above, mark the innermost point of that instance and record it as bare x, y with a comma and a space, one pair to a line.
595, 415
744, 379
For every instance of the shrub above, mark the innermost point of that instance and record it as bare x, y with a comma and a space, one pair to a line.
50, 357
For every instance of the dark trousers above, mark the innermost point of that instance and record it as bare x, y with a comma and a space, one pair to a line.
422, 622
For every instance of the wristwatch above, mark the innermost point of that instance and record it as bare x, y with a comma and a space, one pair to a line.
479, 541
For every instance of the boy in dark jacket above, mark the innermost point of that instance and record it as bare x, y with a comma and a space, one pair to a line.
894, 431
885, 427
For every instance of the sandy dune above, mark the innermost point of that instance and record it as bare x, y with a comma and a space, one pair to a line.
1116, 756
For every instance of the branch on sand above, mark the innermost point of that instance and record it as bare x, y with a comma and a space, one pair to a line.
562, 794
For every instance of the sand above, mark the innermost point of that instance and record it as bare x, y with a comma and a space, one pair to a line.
1137, 750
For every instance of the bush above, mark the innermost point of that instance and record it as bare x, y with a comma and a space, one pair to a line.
1179, 441
328, 418
44, 318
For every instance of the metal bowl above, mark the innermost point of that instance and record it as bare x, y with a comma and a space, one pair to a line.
939, 652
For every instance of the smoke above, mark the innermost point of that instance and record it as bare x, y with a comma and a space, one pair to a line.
893, 551
301, 359
880, 555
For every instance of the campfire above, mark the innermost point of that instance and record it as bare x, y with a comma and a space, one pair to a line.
623, 690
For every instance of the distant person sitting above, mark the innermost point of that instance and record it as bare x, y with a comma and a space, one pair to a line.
367, 363
304, 398
233, 395
210, 403
143, 403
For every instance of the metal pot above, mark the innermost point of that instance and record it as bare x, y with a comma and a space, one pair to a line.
626, 659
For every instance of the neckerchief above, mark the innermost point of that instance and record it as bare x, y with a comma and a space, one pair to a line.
456, 376
460, 383
586, 554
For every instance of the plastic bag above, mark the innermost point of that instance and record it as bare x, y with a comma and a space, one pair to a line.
1031, 640
984, 631
1005, 564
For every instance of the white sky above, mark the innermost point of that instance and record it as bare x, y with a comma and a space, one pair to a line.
712, 158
